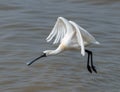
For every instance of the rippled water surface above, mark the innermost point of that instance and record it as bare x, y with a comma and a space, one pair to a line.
24, 25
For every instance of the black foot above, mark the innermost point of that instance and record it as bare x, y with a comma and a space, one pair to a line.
89, 69
94, 69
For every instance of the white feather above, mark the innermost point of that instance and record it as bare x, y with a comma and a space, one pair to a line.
87, 37
70, 34
71, 37
59, 30
79, 37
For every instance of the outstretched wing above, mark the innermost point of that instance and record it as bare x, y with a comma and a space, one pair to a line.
59, 30
79, 37
87, 36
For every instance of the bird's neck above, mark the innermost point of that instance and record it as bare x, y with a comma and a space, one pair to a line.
56, 51
53, 52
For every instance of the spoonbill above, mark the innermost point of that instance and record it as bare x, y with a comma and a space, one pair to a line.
71, 36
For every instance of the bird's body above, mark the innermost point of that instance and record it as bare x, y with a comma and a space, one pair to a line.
71, 36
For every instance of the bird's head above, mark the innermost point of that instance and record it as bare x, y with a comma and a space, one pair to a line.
48, 52
44, 54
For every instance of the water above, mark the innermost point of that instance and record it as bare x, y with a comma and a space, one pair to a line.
24, 25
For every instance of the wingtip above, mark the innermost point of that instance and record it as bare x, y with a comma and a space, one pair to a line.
97, 42
60, 17
47, 40
83, 53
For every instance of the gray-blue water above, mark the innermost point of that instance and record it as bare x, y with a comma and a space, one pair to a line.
24, 26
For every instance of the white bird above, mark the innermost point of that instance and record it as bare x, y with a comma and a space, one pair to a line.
71, 36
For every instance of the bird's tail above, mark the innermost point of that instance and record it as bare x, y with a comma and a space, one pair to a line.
96, 42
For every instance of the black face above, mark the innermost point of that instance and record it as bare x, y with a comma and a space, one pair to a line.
43, 55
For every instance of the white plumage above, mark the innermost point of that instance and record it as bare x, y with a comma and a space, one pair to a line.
71, 35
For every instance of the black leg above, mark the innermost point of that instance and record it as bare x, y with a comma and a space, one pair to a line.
92, 67
88, 63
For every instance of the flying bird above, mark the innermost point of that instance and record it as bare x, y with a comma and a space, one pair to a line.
71, 36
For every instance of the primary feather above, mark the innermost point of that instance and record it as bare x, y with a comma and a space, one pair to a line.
58, 31
87, 36
79, 37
